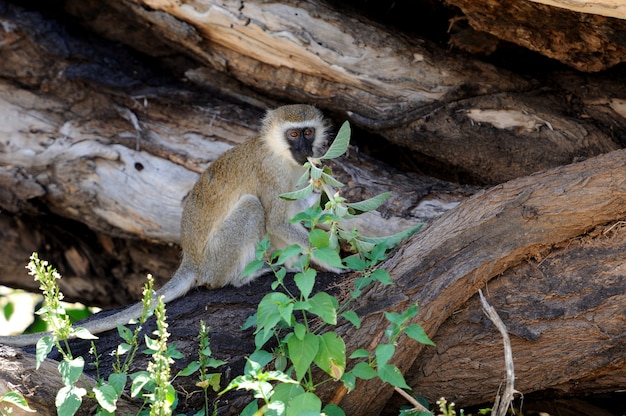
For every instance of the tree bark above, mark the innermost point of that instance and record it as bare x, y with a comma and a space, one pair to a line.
571, 33
444, 266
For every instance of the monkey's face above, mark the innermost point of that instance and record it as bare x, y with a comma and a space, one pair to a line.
300, 142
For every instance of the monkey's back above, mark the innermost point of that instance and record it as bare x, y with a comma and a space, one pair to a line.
246, 169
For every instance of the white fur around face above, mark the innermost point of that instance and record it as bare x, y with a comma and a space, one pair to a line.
275, 137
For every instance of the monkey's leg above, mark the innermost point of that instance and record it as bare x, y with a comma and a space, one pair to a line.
233, 245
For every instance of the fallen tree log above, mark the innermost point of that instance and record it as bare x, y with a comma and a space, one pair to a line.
444, 266
583, 28
523, 232
562, 308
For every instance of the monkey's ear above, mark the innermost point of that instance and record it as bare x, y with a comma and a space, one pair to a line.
340, 144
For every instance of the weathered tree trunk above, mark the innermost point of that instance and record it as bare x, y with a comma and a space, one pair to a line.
534, 234
444, 266
576, 33
100, 145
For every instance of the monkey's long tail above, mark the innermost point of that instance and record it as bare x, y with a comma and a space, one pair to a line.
176, 287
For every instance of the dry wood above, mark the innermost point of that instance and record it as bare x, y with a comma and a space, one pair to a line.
609, 8
443, 266
409, 91
562, 309
566, 33
506, 395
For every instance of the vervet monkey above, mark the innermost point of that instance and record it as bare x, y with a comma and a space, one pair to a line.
232, 206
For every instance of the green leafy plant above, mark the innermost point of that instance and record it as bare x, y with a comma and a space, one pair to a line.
205, 362
299, 320
69, 398
153, 385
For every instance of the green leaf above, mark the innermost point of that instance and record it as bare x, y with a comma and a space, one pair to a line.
213, 363
83, 333
16, 399
394, 318
324, 306
249, 323
305, 281
417, 333
360, 353
331, 356
271, 310
152, 344
391, 374
288, 253
140, 380
305, 404
316, 172
213, 381
369, 204
330, 180
353, 318
319, 238
172, 352
191, 368
8, 310
286, 312
363, 246
384, 352
106, 397
349, 380
364, 371
71, 370
393, 240
251, 409
170, 396
275, 408
355, 262
333, 410
340, 144
125, 333
378, 253
302, 352
285, 391
252, 267
123, 348
382, 276
308, 215
261, 338
263, 247
299, 330
328, 256
42, 349
257, 361
305, 176
68, 400
299, 194
118, 382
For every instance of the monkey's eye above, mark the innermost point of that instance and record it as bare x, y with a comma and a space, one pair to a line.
309, 132
293, 133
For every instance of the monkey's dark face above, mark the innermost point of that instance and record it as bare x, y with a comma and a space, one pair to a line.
300, 142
